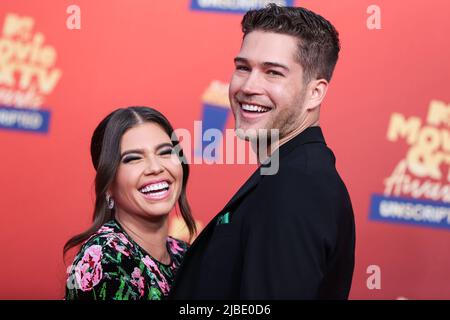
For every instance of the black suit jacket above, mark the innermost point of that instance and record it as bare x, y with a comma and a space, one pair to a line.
291, 235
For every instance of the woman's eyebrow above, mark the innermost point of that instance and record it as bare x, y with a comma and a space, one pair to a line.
142, 151
139, 151
162, 145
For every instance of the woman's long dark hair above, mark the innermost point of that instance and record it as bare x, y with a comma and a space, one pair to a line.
105, 154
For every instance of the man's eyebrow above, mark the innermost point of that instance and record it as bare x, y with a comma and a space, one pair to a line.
265, 64
240, 59
276, 65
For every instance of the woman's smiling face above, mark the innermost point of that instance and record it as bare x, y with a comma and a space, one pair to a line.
149, 177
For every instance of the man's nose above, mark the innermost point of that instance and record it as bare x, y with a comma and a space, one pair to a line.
253, 84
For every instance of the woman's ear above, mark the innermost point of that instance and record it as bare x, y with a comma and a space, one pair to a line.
110, 199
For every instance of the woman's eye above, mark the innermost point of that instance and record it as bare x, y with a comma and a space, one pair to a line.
166, 151
129, 159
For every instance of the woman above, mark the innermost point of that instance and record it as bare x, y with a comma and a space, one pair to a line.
141, 175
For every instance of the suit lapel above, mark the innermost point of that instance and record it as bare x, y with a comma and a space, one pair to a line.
310, 135
247, 187
199, 245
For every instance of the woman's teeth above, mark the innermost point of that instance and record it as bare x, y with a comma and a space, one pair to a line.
254, 108
155, 187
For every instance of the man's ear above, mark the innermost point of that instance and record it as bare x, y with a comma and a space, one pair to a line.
316, 91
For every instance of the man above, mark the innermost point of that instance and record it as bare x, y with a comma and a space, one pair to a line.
290, 235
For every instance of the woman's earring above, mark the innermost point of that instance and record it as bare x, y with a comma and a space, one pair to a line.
109, 202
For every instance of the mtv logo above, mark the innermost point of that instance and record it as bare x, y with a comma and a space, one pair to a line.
215, 111
16, 26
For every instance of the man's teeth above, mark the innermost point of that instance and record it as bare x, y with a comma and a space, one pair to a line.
155, 187
253, 108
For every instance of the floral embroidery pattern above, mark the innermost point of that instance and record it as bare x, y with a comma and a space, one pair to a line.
110, 265
89, 268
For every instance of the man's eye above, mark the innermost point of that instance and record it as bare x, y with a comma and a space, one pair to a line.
242, 68
129, 159
274, 73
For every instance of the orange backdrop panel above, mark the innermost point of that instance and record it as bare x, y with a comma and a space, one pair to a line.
165, 55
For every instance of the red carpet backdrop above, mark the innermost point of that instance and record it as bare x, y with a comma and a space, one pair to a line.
65, 64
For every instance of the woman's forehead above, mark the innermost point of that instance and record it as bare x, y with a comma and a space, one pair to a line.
145, 135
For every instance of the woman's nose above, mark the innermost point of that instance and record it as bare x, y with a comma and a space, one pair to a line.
153, 166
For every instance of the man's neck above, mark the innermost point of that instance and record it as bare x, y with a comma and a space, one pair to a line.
274, 145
